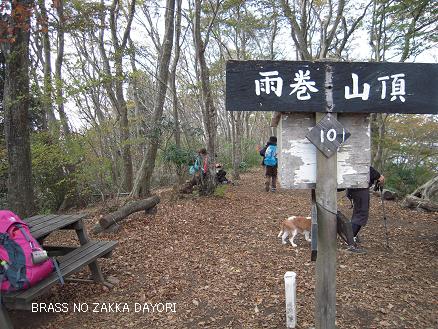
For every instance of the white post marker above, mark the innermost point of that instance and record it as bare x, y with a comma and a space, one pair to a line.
290, 287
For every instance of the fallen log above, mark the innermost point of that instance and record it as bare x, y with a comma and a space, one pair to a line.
110, 229
411, 201
428, 191
424, 197
129, 208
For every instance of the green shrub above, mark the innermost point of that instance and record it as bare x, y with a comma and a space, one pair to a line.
250, 156
405, 179
54, 170
178, 156
243, 166
220, 190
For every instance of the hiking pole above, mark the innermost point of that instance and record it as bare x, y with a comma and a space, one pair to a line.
380, 187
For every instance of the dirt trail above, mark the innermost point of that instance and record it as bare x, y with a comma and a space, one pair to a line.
220, 261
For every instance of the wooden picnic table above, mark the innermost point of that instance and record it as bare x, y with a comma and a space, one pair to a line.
71, 259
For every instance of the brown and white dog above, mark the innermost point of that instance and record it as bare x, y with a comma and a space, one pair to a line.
292, 226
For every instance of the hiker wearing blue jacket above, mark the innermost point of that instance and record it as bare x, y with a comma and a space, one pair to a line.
270, 161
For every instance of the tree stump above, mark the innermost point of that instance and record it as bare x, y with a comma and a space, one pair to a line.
387, 194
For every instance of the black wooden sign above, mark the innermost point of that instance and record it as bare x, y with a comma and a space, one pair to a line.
289, 86
328, 135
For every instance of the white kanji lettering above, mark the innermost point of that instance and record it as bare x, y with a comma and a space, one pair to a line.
383, 79
271, 82
302, 85
355, 94
398, 87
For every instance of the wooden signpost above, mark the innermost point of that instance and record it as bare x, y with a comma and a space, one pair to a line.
324, 137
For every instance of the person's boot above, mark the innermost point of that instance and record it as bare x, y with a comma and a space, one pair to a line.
357, 239
267, 186
354, 248
274, 184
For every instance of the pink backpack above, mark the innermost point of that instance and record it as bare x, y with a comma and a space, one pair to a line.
23, 262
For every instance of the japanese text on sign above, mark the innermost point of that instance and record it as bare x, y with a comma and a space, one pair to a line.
353, 87
303, 86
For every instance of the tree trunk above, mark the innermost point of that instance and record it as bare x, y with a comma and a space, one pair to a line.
16, 113
378, 157
142, 184
119, 48
58, 69
124, 126
247, 125
209, 110
234, 145
237, 144
412, 29
114, 86
172, 86
298, 35
47, 87
140, 109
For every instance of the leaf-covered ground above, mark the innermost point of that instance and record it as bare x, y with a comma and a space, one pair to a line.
220, 261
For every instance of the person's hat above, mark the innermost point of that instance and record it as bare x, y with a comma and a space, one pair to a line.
272, 139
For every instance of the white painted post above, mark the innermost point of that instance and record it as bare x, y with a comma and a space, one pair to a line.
290, 287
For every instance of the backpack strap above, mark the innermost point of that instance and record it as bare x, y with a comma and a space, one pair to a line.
58, 271
197, 164
26, 236
2, 276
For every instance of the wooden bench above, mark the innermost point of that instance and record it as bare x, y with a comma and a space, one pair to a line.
72, 260
68, 264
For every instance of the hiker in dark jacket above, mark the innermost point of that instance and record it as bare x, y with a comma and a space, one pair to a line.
270, 161
361, 202
221, 175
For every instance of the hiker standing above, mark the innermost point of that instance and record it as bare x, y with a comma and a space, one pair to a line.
200, 167
270, 161
360, 198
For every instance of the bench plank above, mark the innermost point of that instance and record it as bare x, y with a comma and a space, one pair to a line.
43, 219
36, 217
41, 229
35, 223
69, 264
57, 251
32, 221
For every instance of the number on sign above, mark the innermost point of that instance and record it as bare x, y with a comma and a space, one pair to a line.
331, 135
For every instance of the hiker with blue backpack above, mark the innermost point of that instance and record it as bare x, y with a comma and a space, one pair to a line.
198, 170
270, 161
